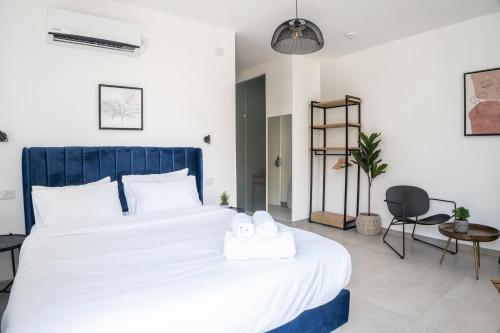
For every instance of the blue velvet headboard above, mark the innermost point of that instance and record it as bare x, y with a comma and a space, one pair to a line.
60, 166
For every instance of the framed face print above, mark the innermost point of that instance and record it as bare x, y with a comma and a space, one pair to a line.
482, 102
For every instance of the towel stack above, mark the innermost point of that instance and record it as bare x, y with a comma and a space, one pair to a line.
258, 237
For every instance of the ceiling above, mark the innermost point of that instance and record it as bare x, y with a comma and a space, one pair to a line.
374, 21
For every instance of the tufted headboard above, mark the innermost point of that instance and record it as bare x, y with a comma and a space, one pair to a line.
60, 166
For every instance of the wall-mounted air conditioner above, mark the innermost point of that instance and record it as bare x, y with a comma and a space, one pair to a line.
68, 27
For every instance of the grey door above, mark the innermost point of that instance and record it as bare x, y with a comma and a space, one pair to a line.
251, 144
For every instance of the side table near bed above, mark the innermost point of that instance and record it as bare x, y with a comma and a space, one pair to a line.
11, 242
477, 233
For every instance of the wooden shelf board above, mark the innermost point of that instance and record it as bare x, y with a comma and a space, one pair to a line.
333, 148
331, 219
336, 125
337, 103
496, 283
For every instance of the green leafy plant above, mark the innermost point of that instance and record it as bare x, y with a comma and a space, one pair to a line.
461, 214
224, 199
368, 158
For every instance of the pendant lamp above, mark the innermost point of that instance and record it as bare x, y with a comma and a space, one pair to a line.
297, 36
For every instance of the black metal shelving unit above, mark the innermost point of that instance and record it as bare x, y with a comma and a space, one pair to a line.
338, 220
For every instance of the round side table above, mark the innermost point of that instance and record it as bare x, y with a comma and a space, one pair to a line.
477, 233
10, 243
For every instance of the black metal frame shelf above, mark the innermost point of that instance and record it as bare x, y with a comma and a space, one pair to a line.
342, 221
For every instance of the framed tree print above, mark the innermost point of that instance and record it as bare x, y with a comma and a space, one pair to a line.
482, 102
120, 108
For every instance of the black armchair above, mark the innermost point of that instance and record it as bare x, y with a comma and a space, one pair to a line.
407, 204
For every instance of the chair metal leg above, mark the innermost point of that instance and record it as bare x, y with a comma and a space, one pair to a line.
436, 246
402, 256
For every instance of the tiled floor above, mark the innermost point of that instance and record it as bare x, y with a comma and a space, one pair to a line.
415, 294
280, 212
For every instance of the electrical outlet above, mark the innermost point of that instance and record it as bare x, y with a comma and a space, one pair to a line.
209, 181
8, 195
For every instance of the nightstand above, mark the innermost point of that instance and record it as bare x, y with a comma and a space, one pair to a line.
10, 243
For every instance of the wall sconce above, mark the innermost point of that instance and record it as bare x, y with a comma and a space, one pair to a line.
3, 137
207, 139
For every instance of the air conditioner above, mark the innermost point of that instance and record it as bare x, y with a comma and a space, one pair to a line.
70, 27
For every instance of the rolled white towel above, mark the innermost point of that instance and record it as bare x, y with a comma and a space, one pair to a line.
282, 247
265, 226
242, 226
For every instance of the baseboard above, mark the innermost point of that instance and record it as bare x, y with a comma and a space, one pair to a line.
467, 246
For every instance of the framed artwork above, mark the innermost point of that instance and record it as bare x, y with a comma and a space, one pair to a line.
482, 102
120, 108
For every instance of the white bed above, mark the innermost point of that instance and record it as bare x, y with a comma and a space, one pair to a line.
165, 273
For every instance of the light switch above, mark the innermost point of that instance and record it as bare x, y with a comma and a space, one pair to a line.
8, 195
209, 181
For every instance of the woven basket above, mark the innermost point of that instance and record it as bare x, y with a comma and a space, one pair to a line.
368, 225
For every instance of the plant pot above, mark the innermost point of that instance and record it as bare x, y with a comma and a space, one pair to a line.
368, 225
461, 226
224, 206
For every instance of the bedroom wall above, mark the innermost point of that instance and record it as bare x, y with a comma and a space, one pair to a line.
48, 94
306, 88
278, 84
412, 92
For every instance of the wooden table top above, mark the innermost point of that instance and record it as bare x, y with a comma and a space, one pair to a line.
476, 233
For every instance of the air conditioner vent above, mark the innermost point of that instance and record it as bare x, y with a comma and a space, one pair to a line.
68, 27
96, 42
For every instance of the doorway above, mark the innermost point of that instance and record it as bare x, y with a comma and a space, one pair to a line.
279, 166
251, 144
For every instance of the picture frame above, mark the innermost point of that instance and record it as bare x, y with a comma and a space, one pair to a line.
482, 102
121, 108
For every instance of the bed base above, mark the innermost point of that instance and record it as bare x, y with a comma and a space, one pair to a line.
322, 319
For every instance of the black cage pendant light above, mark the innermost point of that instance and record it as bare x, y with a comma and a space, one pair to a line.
297, 36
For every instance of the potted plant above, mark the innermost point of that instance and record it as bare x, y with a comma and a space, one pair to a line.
224, 199
368, 158
461, 223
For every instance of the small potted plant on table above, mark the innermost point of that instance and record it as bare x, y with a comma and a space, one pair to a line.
224, 199
368, 158
461, 223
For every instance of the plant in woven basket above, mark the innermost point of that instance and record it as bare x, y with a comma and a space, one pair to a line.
224, 199
368, 158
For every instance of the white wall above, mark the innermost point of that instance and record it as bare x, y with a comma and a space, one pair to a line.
412, 92
278, 84
306, 88
48, 94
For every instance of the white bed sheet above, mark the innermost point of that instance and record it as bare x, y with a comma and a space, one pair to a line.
165, 273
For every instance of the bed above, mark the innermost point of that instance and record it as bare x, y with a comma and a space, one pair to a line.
163, 272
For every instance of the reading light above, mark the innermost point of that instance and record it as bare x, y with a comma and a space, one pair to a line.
3, 137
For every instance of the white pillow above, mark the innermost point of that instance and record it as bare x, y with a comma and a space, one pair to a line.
38, 188
66, 205
100, 181
168, 195
129, 180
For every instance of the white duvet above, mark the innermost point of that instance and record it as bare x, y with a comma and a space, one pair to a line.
165, 273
